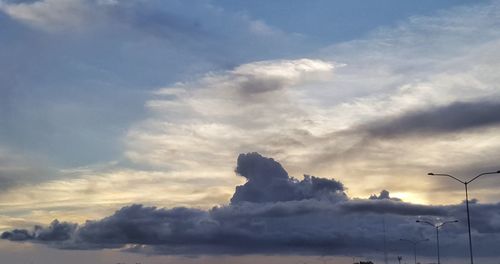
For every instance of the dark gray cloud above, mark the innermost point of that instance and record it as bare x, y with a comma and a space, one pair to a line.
386, 206
137, 224
267, 181
56, 231
17, 235
455, 117
485, 217
384, 194
315, 217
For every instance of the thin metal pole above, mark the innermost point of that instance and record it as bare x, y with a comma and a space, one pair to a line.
385, 242
414, 243
437, 237
465, 183
415, 252
468, 222
437, 226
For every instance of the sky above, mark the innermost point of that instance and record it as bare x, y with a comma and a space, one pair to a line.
220, 131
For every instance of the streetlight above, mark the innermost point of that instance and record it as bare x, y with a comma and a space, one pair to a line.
437, 226
466, 183
414, 242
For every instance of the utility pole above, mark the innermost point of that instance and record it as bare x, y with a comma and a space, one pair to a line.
466, 183
414, 243
385, 242
437, 226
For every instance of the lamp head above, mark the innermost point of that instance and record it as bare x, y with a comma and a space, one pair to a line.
430, 173
418, 221
498, 171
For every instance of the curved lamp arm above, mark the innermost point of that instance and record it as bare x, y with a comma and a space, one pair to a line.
446, 175
493, 172
426, 222
447, 222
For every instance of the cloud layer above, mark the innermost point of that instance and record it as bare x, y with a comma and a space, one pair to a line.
270, 213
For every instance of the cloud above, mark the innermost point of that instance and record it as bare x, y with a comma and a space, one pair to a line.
110, 53
456, 117
17, 235
351, 110
151, 19
50, 14
56, 231
393, 207
384, 194
267, 76
252, 103
294, 110
303, 224
267, 181
146, 225
17, 169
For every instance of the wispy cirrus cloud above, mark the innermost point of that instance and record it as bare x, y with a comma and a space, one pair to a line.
396, 81
54, 15
252, 103
110, 53
17, 169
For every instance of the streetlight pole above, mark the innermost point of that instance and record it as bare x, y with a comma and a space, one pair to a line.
466, 183
437, 227
414, 242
